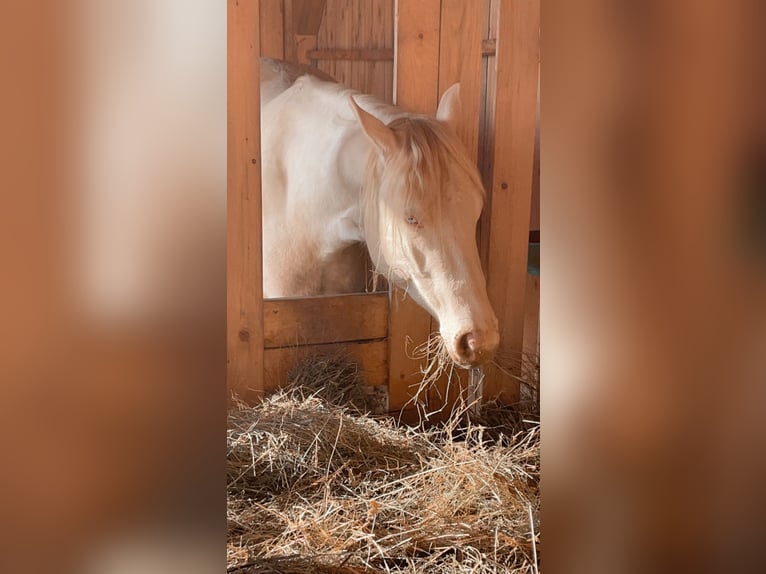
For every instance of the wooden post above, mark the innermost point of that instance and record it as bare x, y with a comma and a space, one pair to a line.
244, 330
514, 127
416, 88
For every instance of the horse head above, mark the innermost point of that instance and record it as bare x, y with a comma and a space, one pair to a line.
422, 198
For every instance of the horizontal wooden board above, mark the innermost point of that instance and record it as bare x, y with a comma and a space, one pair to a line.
372, 358
376, 54
330, 319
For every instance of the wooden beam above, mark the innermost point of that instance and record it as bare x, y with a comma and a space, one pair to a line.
330, 319
416, 88
244, 281
366, 55
514, 126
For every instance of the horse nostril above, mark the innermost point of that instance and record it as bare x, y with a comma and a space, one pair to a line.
466, 346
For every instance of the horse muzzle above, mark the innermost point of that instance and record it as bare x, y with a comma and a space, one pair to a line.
473, 347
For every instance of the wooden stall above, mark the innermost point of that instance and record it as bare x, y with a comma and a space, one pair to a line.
407, 52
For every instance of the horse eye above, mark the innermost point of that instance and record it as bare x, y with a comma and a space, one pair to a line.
412, 220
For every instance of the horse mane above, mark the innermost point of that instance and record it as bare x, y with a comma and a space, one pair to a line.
426, 158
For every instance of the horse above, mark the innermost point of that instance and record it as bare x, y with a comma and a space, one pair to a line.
340, 170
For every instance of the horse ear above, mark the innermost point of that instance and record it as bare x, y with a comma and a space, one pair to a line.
450, 107
380, 134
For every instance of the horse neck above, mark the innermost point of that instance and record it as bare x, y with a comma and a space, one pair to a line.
351, 157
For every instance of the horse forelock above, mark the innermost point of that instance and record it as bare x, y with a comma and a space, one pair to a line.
421, 168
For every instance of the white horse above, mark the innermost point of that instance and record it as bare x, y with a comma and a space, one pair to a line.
341, 169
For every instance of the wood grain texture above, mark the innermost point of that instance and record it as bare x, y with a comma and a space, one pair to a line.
332, 319
460, 61
416, 48
514, 127
365, 55
358, 36
417, 88
304, 45
371, 357
307, 16
272, 28
244, 330
487, 130
531, 328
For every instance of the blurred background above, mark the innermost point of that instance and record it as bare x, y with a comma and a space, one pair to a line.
113, 305
112, 310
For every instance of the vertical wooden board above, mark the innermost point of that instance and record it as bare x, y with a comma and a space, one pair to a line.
307, 16
416, 70
409, 326
515, 111
534, 218
531, 328
375, 82
290, 51
460, 61
272, 28
244, 330
388, 74
487, 133
416, 55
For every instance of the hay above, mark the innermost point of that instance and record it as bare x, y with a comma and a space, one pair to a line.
317, 487
335, 379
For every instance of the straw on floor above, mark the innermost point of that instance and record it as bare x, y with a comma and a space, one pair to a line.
315, 486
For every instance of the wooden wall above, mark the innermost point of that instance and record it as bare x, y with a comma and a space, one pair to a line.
351, 40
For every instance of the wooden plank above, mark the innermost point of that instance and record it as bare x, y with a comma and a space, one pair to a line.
244, 280
388, 67
416, 59
416, 84
530, 361
272, 28
369, 54
461, 32
330, 319
372, 358
307, 16
486, 132
290, 53
514, 126
460, 61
